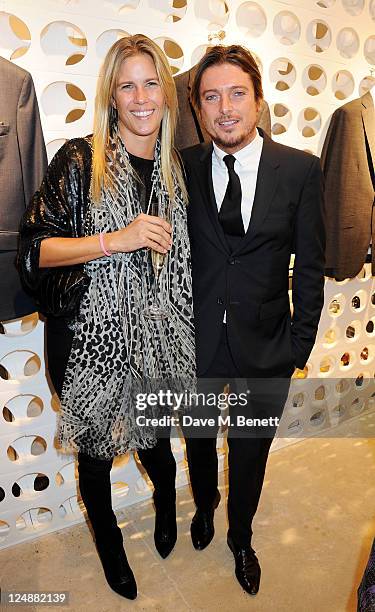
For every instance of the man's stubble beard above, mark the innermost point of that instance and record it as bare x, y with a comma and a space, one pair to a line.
241, 139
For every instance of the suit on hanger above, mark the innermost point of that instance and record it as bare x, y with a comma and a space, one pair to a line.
247, 277
23, 162
190, 129
348, 161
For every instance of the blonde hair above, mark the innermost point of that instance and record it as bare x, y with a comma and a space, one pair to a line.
105, 115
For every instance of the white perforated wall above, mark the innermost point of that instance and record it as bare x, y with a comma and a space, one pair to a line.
314, 55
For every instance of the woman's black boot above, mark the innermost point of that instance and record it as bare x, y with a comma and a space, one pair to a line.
95, 488
161, 468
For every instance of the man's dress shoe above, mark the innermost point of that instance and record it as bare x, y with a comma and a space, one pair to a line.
247, 567
202, 525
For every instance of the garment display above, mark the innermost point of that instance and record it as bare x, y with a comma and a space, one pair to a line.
116, 351
348, 160
190, 130
23, 162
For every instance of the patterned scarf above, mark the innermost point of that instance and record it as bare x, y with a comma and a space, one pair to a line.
117, 352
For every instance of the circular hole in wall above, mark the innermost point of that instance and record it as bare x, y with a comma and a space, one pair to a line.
326, 366
317, 418
318, 35
15, 36
342, 84
294, 428
357, 405
23, 406
359, 301
331, 337
370, 327
214, 13
287, 28
343, 386
63, 42
282, 73
314, 79
353, 7
338, 411
353, 330
320, 393
173, 52
2, 494
281, 118
63, 103
105, 41
369, 50
34, 518
347, 360
302, 374
362, 380
347, 42
20, 327
309, 122
251, 19
298, 400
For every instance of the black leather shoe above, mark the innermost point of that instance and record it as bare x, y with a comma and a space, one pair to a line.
118, 572
202, 528
247, 567
165, 534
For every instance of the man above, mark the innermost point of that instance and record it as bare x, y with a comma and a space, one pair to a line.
253, 202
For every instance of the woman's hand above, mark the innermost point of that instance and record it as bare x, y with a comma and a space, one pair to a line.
145, 231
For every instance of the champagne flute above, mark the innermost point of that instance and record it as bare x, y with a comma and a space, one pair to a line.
157, 312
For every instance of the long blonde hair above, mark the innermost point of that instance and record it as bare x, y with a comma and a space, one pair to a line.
105, 115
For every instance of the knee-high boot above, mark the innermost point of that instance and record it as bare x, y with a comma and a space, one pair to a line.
161, 468
95, 488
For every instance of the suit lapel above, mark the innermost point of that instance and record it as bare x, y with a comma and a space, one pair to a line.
207, 188
266, 184
368, 117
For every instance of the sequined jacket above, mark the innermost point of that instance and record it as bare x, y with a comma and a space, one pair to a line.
57, 209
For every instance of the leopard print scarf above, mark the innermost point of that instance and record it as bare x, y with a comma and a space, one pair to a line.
116, 351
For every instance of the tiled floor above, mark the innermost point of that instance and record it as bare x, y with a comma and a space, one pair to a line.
313, 533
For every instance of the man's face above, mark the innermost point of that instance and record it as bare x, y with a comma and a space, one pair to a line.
228, 106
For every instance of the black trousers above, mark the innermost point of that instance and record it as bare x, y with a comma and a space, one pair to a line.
158, 461
248, 450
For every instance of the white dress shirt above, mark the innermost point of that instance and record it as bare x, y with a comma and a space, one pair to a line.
246, 166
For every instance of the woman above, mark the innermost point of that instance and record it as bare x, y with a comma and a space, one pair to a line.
91, 209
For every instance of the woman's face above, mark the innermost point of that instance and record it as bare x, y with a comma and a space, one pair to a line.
140, 102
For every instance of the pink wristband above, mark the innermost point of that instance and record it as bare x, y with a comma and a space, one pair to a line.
101, 241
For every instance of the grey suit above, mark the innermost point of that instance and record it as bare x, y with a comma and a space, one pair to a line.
23, 162
348, 160
190, 130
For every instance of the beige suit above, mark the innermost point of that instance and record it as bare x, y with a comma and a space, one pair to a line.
23, 162
190, 131
348, 160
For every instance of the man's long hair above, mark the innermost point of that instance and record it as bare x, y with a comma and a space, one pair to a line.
232, 54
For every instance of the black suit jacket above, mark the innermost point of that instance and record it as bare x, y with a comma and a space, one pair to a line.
251, 283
